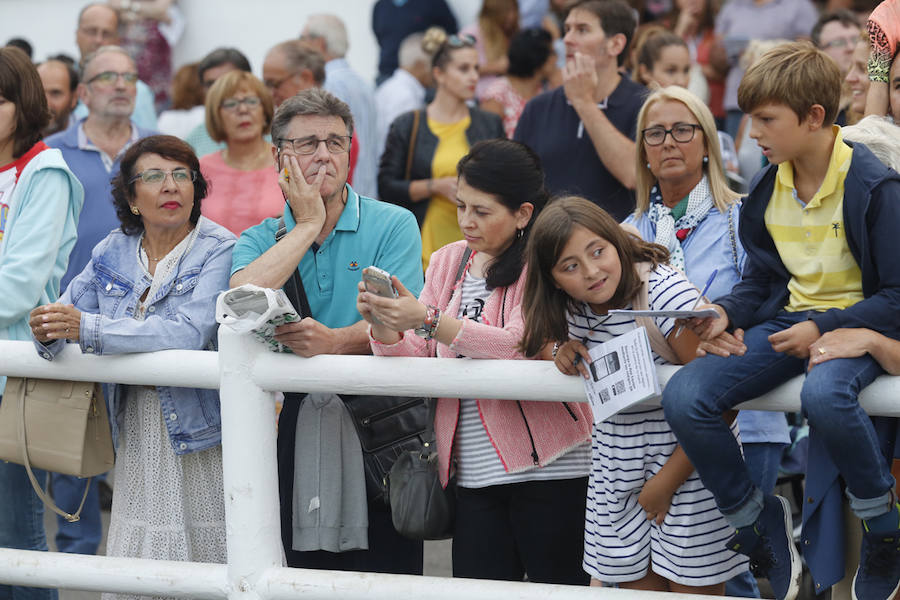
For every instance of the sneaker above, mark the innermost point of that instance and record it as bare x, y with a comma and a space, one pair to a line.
770, 547
878, 575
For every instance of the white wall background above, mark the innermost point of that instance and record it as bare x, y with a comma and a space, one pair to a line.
253, 26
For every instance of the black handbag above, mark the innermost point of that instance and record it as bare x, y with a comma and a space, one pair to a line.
420, 508
387, 426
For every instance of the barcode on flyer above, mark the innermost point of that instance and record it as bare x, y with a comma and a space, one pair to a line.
619, 387
604, 395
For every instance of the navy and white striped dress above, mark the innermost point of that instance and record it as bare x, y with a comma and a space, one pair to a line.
620, 544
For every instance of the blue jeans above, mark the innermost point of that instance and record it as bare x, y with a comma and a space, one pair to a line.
22, 524
762, 461
82, 536
695, 398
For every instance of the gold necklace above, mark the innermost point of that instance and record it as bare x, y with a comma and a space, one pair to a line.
148, 255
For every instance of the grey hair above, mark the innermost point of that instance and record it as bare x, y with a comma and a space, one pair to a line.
314, 102
298, 56
99, 52
412, 52
878, 134
331, 29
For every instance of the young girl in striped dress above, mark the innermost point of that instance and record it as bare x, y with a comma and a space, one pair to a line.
649, 524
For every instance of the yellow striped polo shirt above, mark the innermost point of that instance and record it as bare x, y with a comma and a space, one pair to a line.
811, 238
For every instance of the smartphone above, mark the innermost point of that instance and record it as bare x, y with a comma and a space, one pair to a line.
605, 365
378, 282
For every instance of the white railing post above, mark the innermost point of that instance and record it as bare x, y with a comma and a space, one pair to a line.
250, 475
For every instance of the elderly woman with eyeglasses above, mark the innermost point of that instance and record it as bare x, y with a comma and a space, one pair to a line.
418, 167
152, 285
243, 186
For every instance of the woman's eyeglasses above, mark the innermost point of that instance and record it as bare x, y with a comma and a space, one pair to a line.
681, 132
235, 103
157, 176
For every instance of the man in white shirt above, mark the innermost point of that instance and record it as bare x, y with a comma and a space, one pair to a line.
405, 89
328, 35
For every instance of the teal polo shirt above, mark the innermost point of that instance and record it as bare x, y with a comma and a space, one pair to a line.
369, 232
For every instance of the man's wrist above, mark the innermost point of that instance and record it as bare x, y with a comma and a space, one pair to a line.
582, 103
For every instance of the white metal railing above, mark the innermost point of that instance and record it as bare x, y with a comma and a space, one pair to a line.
247, 375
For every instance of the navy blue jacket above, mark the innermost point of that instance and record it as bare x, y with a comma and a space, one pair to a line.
872, 223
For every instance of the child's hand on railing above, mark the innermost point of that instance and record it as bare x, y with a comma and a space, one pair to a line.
572, 357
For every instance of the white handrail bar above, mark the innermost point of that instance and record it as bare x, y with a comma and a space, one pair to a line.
504, 379
113, 574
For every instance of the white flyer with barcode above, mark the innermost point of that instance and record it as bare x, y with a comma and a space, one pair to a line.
622, 374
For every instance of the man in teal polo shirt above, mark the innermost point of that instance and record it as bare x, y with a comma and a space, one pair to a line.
331, 234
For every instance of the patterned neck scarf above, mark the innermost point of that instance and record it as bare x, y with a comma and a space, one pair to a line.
669, 232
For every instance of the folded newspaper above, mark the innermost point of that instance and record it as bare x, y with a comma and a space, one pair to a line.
250, 308
622, 374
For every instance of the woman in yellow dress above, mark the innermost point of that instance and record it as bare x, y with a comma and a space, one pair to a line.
418, 167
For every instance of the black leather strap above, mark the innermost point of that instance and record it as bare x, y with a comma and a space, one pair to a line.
293, 287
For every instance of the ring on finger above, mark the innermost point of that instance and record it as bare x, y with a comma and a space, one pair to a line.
822, 350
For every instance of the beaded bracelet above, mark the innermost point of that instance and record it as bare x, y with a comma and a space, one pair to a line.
432, 324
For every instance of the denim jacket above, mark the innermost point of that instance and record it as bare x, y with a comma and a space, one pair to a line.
181, 315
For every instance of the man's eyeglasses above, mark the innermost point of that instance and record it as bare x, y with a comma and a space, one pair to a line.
111, 77
157, 176
235, 103
681, 132
274, 85
335, 144
842, 42
95, 32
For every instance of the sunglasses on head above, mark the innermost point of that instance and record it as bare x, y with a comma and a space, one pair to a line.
460, 41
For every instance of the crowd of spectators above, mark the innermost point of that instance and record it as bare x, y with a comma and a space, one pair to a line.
518, 177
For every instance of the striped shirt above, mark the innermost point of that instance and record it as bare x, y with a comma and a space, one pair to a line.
629, 448
477, 462
667, 290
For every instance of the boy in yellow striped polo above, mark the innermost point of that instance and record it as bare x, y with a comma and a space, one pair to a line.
819, 227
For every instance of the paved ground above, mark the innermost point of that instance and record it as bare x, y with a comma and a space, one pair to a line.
437, 557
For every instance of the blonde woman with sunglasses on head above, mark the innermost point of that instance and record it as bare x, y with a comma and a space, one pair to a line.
436, 138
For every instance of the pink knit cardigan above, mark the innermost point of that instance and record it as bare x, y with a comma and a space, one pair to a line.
553, 427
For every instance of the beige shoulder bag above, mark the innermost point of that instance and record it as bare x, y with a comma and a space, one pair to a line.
56, 425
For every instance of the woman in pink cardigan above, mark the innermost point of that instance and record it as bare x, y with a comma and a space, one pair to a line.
521, 467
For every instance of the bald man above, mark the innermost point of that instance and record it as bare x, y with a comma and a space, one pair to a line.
98, 25
60, 81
